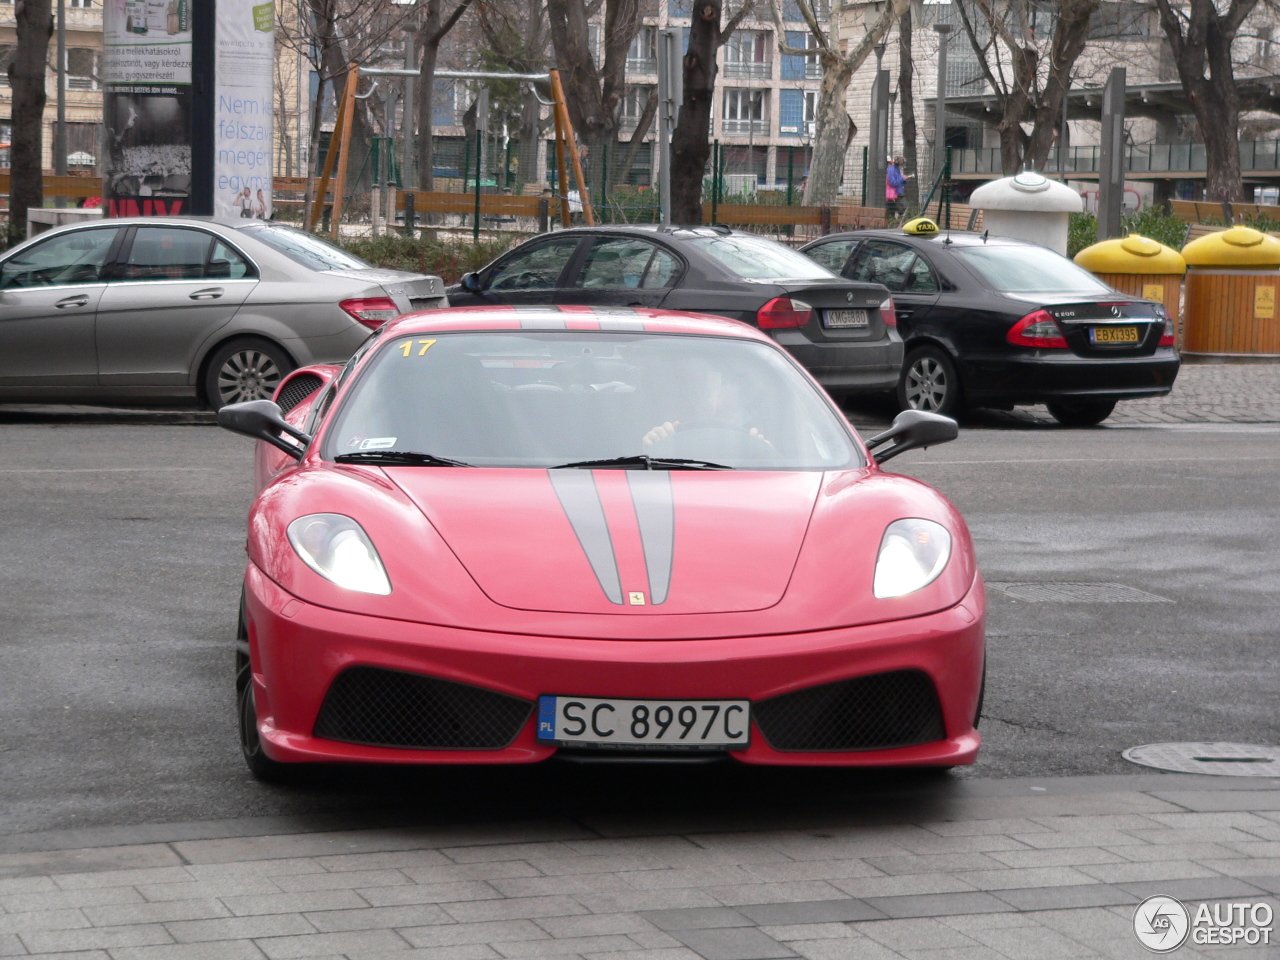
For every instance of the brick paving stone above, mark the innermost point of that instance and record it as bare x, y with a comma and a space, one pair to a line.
938, 904
1033, 943
808, 931
653, 939
116, 914
516, 909
562, 947
461, 951
595, 925
860, 947
255, 868
389, 860
11, 946
208, 950
1204, 888
327, 944
94, 938
812, 870
294, 902
12, 885
350, 880
461, 872
733, 943
1062, 856
372, 918
1174, 851
429, 893
1242, 867
491, 932
119, 878
1031, 877
1056, 898
903, 886
696, 918
817, 912
68, 899
239, 928
66, 919
195, 889
663, 953
1155, 870
567, 884
923, 933
792, 892
79, 955
646, 900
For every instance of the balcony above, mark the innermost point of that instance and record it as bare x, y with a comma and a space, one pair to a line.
1140, 159
642, 66
744, 128
748, 69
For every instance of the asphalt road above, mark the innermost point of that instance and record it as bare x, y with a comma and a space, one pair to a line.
121, 551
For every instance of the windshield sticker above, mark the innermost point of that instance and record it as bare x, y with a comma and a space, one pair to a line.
423, 346
378, 443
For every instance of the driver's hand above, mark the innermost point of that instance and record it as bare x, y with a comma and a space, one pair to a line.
660, 432
754, 432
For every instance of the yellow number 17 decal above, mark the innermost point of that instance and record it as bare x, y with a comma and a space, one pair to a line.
407, 347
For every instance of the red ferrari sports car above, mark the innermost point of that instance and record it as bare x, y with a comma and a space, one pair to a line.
501, 534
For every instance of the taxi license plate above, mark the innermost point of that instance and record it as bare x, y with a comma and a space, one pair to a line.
845, 318
1113, 334
645, 724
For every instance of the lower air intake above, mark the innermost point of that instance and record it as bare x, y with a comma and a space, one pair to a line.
386, 708
878, 712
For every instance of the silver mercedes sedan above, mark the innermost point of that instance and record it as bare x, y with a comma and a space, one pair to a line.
152, 310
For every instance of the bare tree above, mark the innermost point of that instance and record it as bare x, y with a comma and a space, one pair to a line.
833, 128
1027, 66
1201, 38
435, 26
593, 87
691, 139
515, 32
26, 79
906, 97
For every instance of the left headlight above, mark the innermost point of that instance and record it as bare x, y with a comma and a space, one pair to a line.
337, 548
912, 554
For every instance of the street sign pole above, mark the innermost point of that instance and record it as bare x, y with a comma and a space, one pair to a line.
670, 93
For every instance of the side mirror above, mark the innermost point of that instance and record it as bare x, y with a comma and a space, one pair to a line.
262, 420
912, 429
470, 283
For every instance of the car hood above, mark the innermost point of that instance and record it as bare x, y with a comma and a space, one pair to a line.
620, 541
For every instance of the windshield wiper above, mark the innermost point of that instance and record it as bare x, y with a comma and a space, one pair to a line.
647, 463
398, 458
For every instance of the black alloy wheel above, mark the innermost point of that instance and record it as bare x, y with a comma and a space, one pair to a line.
260, 765
1081, 413
249, 368
929, 382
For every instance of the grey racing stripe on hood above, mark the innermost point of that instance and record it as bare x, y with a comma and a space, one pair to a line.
656, 515
581, 504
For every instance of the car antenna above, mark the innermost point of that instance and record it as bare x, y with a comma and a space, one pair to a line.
984, 234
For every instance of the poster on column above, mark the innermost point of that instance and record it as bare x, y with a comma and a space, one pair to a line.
242, 109
147, 106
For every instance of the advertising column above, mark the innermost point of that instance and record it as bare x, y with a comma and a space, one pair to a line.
245, 53
147, 106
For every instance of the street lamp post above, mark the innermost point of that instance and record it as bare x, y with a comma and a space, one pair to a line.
60, 134
940, 111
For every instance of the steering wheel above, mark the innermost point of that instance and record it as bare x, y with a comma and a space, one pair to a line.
709, 428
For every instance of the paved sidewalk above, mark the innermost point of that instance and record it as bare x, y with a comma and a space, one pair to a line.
1020, 869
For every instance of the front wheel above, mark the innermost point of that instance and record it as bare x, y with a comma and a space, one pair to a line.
247, 369
929, 382
1081, 413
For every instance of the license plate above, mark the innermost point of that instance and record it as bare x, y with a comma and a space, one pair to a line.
646, 724
1113, 334
844, 318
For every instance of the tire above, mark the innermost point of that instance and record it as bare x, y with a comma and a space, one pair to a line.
929, 382
260, 765
249, 368
1081, 413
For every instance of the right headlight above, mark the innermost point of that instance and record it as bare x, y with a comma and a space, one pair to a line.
913, 553
338, 549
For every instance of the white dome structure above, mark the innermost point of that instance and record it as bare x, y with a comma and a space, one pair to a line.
1028, 207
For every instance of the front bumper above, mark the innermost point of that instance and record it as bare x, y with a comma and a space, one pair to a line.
298, 649
1042, 376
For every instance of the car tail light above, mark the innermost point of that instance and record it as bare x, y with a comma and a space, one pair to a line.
1169, 336
373, 312
888, 315
782, 312
1037, 329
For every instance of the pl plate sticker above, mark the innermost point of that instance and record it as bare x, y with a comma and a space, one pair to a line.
378, 443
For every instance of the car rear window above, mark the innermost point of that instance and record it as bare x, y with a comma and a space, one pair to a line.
546, 399
1030, 269
305, 249
755, 258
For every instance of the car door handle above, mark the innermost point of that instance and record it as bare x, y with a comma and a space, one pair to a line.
77, 301
212, 293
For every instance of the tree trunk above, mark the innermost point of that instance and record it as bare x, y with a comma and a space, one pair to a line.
831, 136
906, 96
26, 80
426, 101
691, 140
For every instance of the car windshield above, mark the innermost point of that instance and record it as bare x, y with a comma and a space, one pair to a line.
305, 248
1030, 269
545, 399
755, 258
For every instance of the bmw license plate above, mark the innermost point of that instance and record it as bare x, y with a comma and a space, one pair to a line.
857, 319
646, 724
1113, 334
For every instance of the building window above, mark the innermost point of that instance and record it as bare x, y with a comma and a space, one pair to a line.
82, 145
791, 10
642, 56
801, 68
680, 8
82, 4
444, 108
746, 55
745, 113
7, 51
6, 132
633, 104
797, 110
1125, 20
82, 69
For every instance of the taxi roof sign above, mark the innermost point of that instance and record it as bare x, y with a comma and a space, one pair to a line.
920, 227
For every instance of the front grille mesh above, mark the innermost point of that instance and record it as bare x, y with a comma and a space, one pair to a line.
878, 712
386, 708
296, 390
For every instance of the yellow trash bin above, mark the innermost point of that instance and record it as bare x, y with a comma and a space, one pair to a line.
1142, 267
1232, 281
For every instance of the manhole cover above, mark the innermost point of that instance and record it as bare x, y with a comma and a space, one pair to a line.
1218, 759
1075, 592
